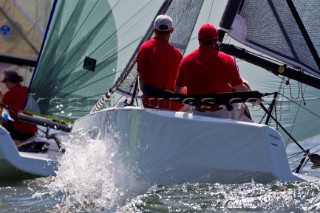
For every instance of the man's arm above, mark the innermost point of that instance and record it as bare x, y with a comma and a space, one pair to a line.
181, 90
244, 88
241, 88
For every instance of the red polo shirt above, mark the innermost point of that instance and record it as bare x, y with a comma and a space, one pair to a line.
158, 64
207, 71
15, 99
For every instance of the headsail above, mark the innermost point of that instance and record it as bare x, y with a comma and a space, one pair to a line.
87, 45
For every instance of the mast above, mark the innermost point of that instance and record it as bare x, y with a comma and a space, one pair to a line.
228, 16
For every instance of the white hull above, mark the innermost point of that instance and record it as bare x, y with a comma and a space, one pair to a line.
20, 165
164, 147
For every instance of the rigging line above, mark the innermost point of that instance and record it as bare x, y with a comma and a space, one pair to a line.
296, 160
301, 166
314, 147
315, 151
297, 112
301, 106
301, 91
290, 89
275, 120
295, 154
210, 11
287, 82
299, 153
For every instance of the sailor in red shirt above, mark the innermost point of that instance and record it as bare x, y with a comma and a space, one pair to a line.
14, 98
207, 71
158, 63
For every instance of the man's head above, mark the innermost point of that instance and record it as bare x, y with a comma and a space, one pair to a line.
207, 34
12, 77
163, 24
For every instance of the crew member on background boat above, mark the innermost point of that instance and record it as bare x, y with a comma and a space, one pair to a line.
15, 98
158, 63
207, 71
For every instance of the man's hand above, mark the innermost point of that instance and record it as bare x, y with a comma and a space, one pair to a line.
257, 102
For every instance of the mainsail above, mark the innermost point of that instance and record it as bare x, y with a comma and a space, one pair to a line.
287, 33
284, 30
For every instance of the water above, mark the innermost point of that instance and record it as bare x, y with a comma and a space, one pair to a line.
35, 196
88, 181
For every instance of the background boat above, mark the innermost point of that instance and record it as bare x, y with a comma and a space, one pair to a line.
22, 28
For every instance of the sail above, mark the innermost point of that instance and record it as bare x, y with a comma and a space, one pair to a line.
281, 36
86, 47
285, 30
22, 27
184, 14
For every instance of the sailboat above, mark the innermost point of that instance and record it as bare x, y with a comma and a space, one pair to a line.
92, 45
22, 29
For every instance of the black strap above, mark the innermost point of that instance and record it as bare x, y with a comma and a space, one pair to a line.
227, 98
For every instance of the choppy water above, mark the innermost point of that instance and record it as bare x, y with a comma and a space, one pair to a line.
86, 182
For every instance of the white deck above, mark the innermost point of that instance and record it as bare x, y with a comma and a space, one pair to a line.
20, 165
164, 147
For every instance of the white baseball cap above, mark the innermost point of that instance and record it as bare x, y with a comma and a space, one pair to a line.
163, 23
